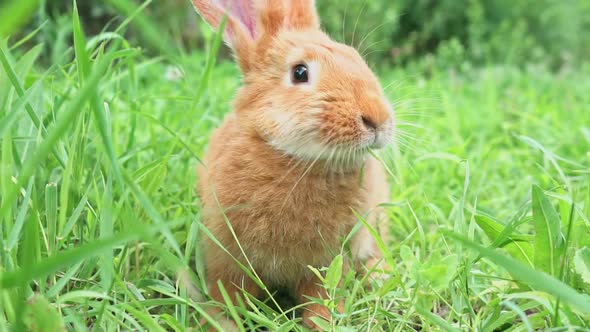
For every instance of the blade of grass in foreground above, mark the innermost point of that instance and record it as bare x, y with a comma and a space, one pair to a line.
538, 280
106, 230
7, 121
378, 240
152, 212
547, 233
436, 320
147, 320
11, 72
145, 26
100, 113
211, 57
51, 264
14, 13
15, 231
82, 59
57, 131
51, 216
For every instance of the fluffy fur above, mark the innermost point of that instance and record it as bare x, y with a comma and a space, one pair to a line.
290, 164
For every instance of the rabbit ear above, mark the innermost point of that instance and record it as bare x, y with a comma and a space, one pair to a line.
240, 29
249, 21
271, 15
303, 15
275, 15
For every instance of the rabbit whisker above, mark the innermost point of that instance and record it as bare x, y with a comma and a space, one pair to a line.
301, 178
344, 22
357, 22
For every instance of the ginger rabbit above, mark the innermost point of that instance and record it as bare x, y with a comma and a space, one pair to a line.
291, 163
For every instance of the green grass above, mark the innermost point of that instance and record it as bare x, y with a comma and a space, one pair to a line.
100, 224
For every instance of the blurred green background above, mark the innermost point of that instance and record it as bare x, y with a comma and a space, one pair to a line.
553, 33
104, 116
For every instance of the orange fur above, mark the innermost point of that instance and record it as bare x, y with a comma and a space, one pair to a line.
290, 164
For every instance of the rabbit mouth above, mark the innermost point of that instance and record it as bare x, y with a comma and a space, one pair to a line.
334, 147
381, 138
336, 157
378, 138
379, 141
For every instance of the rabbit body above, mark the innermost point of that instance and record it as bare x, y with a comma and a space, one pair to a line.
288, 169
286, 215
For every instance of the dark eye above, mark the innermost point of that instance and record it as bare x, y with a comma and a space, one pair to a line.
299, 74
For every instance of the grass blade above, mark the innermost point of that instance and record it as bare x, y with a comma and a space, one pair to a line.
145, 26
73, 219
16, 83
144, 318
517, 245
548, 239
230, 306
70, 257
15, 232
436, 320
536, 279
58, 130
100, 113
106, 231
204, 80
51, 216
40, 315
582, 264
153, 213
14, 14
82, 59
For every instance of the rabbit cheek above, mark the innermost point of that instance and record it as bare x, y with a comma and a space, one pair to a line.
277, 124
292, 132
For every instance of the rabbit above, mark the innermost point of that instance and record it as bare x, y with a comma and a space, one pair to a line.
286, 171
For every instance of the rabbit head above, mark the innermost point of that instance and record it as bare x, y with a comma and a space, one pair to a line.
304, 94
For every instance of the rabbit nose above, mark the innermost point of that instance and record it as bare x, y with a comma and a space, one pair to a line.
374, 119
369, 123
374, 114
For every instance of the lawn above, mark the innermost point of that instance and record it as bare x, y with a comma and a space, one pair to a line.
100, 225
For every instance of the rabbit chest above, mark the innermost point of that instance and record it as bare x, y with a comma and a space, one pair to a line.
285, 215
285, 224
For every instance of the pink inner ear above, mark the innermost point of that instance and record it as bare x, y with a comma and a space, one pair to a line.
243, 11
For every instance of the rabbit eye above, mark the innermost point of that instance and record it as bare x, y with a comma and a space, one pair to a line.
299, 74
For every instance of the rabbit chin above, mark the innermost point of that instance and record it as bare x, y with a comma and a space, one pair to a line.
338, 158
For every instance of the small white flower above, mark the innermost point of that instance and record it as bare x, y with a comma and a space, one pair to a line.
173, 74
